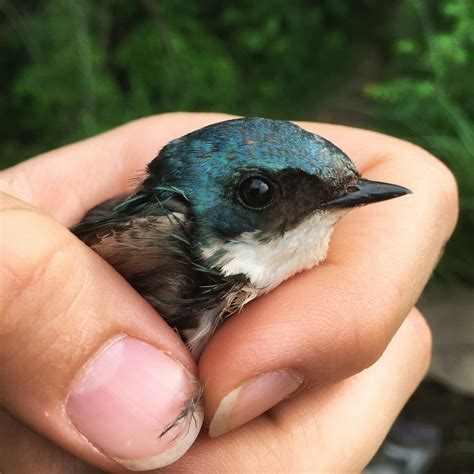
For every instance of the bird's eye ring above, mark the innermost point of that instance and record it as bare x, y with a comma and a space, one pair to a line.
256, 192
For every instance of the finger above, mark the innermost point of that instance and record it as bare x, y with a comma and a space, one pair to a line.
24, 451
352, 419
69, 181
334, 429
333, 321
84, 360
362, 329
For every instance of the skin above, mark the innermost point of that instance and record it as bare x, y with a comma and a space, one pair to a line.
60, 302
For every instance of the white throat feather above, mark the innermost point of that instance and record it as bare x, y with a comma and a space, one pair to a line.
267, 264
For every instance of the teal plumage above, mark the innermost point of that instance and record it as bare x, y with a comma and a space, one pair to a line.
205, 231
212, 159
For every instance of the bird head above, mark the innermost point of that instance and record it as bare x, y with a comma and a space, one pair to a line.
264, 195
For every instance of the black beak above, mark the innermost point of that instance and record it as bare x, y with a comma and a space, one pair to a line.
367, 192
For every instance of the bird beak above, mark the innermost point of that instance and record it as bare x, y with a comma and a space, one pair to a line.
367, 192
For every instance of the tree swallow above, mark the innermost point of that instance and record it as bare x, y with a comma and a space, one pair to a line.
225, 214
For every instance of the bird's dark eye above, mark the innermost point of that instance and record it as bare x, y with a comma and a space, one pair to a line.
256, 192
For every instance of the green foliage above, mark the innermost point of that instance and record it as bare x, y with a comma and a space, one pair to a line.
72, 68
428, 98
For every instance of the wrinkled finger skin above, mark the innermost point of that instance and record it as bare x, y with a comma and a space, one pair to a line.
335, 320
334, 429
325, 324
61, 309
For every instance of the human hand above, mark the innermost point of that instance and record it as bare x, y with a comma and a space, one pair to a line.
62, 303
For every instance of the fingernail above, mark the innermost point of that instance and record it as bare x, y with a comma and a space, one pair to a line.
128, 403
251, 399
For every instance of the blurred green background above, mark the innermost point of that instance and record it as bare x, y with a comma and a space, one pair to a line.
70, 69
73, 68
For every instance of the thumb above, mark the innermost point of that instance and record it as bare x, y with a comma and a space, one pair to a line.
84, 360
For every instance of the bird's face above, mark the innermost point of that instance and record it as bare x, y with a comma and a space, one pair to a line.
264, 195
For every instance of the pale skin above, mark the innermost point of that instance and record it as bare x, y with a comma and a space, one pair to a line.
60, 302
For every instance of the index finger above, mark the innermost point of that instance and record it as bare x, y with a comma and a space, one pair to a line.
69, 181
333, 321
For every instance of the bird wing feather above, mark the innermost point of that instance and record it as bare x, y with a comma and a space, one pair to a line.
150, 244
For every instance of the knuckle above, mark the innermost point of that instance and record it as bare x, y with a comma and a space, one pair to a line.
444, 195
36, 292
17, 181
445, 182
423, 336
30, 246
372, 339
370, 348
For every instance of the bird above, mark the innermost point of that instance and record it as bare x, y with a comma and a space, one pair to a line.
225, 214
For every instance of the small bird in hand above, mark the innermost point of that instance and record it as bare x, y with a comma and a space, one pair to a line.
225, 214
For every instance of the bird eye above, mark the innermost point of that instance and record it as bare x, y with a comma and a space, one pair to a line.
256, 192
